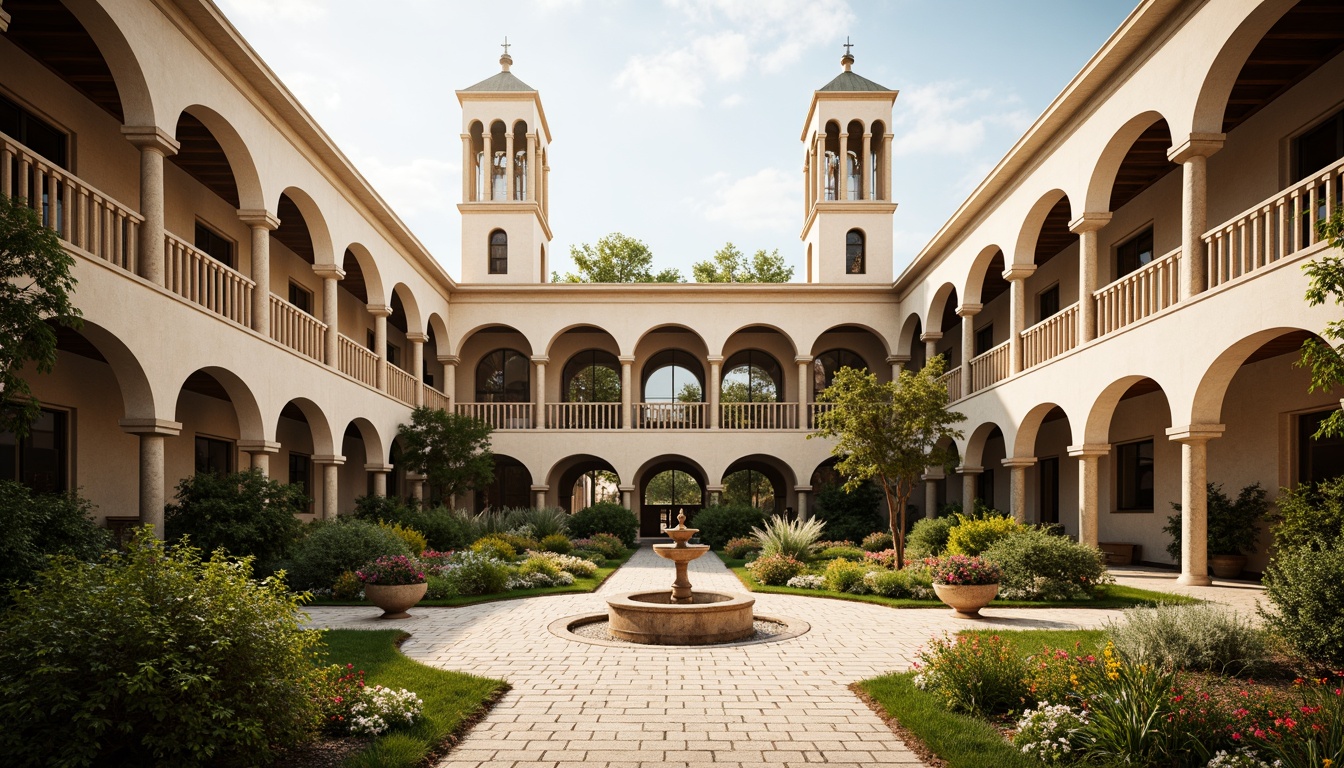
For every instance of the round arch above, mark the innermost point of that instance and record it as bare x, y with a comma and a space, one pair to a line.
251, 425
793, 347
701, 350
1024, 254
470, 335
911, 330
566, 473
653, 516
975, 276
974, 452
581, 327
368, 434
510, 488
779, 474
318, 230
410, 306
1097, 429
1206, 407
1024, 442
137, 396
318, 425
137, 103
244, 168
438, 328
1097, 199
1216, 88
946, 292
368, 268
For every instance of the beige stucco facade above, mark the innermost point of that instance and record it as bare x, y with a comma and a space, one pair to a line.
1058, 361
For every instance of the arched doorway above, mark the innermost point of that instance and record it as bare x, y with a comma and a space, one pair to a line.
667, 487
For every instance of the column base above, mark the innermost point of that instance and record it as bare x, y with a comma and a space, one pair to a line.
1194, 580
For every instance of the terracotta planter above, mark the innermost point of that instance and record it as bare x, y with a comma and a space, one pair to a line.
395, 599
966, 600
1227, 566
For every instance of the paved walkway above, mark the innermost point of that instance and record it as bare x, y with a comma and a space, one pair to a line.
783, 703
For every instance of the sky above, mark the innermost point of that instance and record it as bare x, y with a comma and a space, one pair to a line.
675, 121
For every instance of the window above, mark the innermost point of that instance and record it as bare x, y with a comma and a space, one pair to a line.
1317, 460
301, 472
1134, 476
826, 364
499, 252
394, 354
33, 132
504, 376
854, 256
511, 488
592, 376
301, 297
39, 460
1319, 147
751, 376
984, 339
214, 245
1047, 302
984, 488
213, 455
1134, 253
1048, 474
371, 340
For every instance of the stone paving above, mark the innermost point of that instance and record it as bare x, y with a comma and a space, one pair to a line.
783, 703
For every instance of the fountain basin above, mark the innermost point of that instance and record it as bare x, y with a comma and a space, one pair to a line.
653, 618
680, 553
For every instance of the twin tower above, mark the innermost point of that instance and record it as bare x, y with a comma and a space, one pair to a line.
506, 232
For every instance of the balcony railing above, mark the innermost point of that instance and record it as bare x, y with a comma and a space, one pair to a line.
401, 384
357, 362
195, 276
758, 415
670, 415
583, 415
1051, 337
1275, 228
816, 409
499, 415
296, 329
433, 398
952, 380
991, 367
1143, 292
82, 216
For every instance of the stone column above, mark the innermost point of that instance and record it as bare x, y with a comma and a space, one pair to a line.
488, 172
866, 174
804, 514
884, 175
546, 190
539, 496
713, 385
822, 170
715, 493
627, 391
969, 476
1088, 498
627, 496
509, 172
1016, 276
330, 489
842, 169
531, 167
897, 363
804, 388
449, 363
330, 274
154, 145
380, 314
151, 433
931, 478
967, 313
415, 484
539, 391
1193, 155
468, 167
262, 224
931, 339
1086, 227
417, 341
379, 472
1017, 472
1194, 440
261, 452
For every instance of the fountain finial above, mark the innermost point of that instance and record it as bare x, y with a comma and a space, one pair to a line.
681, 518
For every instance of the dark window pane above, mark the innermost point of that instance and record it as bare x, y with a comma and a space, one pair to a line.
1320, 146
503, 376
854, 253
984, 339
214, 455
1318, 459
499, 253
34, 132
1134, 475
1049, 490
1049, 302
1134, 253
301, 298
825, 366
214, 245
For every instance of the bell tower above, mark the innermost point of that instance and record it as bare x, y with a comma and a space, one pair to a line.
847, 180
506, 237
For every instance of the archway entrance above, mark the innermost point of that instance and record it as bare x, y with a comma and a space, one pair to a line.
665, 489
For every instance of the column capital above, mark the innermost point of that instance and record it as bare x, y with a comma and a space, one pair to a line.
1196, 433
714, 488
258, 217
465, 135
541, 488
1089, 222
414, 477
969, 309
928, 336
803, 359
1019, 272
259, 446
623, 359
329, 458
1019, 461
379, 468
540, 359
416, 337
627, 488
969, 470
328, 271
151, 137
449, 359
893, 359
163, 427
714, 359
1089, 450
380, 310
1196, 145
933, 475
802, 488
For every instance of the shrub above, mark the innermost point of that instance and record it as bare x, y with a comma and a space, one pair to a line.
391, 571
773, 570
1048, 734
440, 588
1203, 637
929, 537
543, 522
242, 513
851, 514
557, 543
575, 566
907, 583
1038, 566
520, 542
434, 560
974, 536
807, 581
473, 573
1310, 517
593, 556
347, 587
792, 538
534, 565
876, 542
605, 517
742, 546
885, 559
495, 546
853, 554
817, 546
415, 541
608, 544
37, 525
1303, 586
177, 662
980, 676
538, 571
1232, 525
845, 576
332, 548
443, 528
720, 524
960, 570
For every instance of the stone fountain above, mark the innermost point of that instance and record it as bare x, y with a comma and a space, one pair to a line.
681, 617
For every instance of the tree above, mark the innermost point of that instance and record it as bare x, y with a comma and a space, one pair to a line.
244, 513
35, 287
1325, 356
616, 259
890, 433
452, 451
730, 266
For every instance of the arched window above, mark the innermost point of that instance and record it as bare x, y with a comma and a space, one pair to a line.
510, 489
503, 376
751, 376
827, 363
499, 252
592, 376
855, 262
855, 176
673, 376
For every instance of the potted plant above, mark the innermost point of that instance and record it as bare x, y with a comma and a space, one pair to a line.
966, 584
1233, 528
393, 583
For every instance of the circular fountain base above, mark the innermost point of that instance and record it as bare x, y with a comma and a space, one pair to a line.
653, 619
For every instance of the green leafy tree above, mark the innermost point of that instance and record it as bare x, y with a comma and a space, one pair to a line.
615, 259
452, 451
890, 433
673, 487
730, 265
243, 513
1325, 356
35, 288
595, 384
749, 488
748, 384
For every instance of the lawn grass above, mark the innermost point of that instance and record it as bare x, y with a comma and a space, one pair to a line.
1113, 595
453, 700
1029, 641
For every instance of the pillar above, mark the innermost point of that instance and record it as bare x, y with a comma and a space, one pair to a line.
417, 341
379, 473
416, 484
151, 433
627, 496
930, 339
804, 389
330, 274
546, 190
1088, 498
1194, 440
539, 496
1017, 474
1086, 227
967, 313
867, 154
1016, 276
262, 224
884, 174
449, 363
1193, 155
531, 167
154, 145
539, 391
330, 465
468, 167
897, 363
627, 394
713, 385
715, 494
822, 170
804, 514
931, 479
842, 169
260, 451
508, 165
380, 314
969, 475
488, 172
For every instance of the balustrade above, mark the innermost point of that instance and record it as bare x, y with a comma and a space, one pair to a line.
1051, 337
297, 329
433, 398
583, 415
670, 415
401, 384
991, 367
758, 415
1143, 292
499, 415
195, 276
357, 362
952, 380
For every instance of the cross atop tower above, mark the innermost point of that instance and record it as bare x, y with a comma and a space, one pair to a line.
847, 60
505, 44
848, 45
506, 59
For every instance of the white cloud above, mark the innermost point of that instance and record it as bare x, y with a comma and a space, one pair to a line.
766, 200
951, 118
421, 185
677, 77
314, 91
277, 10
731, 100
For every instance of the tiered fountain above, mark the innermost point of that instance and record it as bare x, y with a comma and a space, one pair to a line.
681, 617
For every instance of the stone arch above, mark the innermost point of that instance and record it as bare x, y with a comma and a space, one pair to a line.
973, 453
1097, 199
373, 442
1024, 254
251, 425
246, 178
778, 473
137, 395
374, 291
438, 327
911, 330
704, 346
475, 331
1024, 442
1206, 407
938, 306
137, 101
318, 424
565, 473
1097, 428
410, 306
316, 223
1211, 103
580, 326
749, 327
975, 276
